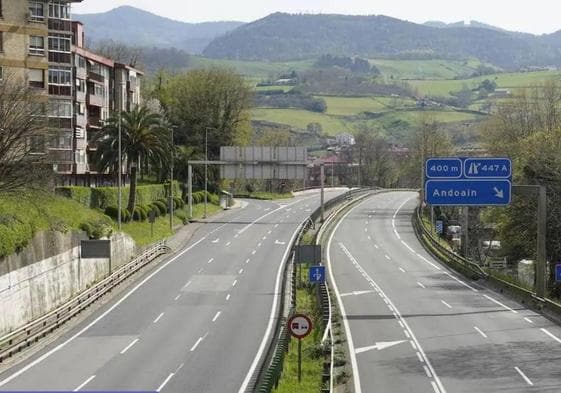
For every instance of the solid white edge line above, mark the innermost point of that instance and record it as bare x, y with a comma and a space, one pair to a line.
84, 383
350, 343
272, 317
165, 382
95, 321
553, 336
500, 304
130, 346
528, 381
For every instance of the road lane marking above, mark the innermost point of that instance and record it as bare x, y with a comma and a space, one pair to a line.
177, 297
130, 346
280, 243
165, 382
216, 316
227, 297
528, 381
413, 345
376, 246
387, 257
272, 316
402, 270
406, 333
528, 320
427, 371
84, 383
500, 304
264, 238
429, 262
200, 340
276, 225
379, 346
200, 270
259, 245
253, 252
408, 247
236, 235
419, 357
188, 283
369, 237
401, 324
421, 285
461, 282
397, 234
228, 244
434, 387
479, 331
553, 336
158, 318
215, 241
210, 260
365, 229
240, 271
354, 364
446, 304
356, 293
269, 232
234, 283
247, 260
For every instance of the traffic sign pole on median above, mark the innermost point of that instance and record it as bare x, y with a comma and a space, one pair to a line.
299, 326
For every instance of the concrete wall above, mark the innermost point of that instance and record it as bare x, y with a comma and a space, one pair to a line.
30, 290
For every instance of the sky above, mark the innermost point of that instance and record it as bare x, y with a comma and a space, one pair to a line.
536, 16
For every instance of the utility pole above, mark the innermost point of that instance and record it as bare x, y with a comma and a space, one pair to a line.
190, 189
206, 170
322, 174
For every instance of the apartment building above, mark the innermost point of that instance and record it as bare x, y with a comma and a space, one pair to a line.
43, 47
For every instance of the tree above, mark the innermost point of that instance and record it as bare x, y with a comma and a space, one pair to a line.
210, 101
375, 163
119, 52
23, 133
145, 138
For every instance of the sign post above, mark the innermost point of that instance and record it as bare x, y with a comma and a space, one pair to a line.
299, 326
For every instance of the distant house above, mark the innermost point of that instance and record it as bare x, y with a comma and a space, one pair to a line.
500, 93
345, 139
285, 82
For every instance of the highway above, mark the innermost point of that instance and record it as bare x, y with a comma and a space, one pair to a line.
415, 326
198, 322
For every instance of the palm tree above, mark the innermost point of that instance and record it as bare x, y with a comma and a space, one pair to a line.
144, 138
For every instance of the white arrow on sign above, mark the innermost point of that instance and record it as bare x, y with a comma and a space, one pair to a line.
379, 346
499, 193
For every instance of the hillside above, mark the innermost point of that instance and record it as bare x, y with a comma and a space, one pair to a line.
137, 27
283, 37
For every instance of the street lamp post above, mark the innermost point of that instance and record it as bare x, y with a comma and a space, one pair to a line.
171, 181
120, 170
206, 169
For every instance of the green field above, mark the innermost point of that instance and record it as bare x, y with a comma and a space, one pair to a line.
425, 69
253, 69
300, 118
349, 106
511, 81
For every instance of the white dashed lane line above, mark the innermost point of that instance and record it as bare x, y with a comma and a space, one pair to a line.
480, 331
130, 346
84, 383
553, 336
158, 318
528, 381
199, 341
216, 316
446, 304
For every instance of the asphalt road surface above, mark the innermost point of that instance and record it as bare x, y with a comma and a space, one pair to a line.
197, 323
415, 326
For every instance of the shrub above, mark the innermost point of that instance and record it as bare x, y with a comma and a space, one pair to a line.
87, 227
155, 209
161, 206
113, 212
178, 203
139, 214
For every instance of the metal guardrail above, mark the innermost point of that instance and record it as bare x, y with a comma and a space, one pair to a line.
426, 236
25, 336
524, 295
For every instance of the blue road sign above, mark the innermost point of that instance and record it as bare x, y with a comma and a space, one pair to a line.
449, 168
439, 227
558, 272
468, 192
317, 274
478, 168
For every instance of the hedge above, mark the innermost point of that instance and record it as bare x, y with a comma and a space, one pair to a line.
199, 197
103, 197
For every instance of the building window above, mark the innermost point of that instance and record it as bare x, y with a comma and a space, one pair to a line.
80, 85
36, 11
99, 90
1, 40
59, 11
36, 78
37, 45
59, 44
61, 77
1, 73
60, 108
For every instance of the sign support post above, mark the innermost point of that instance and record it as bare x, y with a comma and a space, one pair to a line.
299, 360
299, 326
190, 189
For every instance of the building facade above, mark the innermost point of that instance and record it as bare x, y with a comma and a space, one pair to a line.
41, 46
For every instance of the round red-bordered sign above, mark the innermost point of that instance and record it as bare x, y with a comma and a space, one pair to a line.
299, 326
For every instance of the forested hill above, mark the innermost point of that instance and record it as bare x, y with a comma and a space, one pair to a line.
282, 37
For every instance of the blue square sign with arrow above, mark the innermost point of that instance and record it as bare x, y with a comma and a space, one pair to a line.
317, 274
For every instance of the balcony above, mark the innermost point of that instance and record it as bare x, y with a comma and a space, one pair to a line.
97, 101
62, 156
95, 122
60, 25
57, 90
94, 76
60, 57
60, 123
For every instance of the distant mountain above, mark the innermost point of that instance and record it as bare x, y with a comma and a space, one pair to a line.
137, 27
282, 37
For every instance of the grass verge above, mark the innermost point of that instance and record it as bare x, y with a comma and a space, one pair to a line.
312, 355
